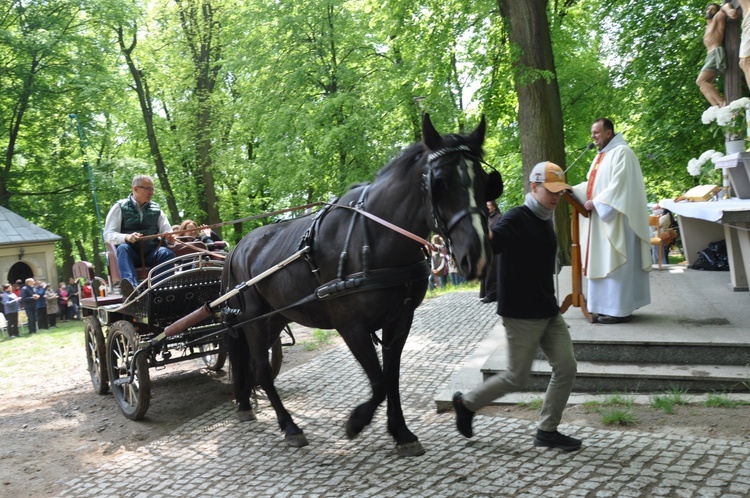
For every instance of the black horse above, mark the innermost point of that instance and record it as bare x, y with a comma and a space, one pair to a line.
358, 276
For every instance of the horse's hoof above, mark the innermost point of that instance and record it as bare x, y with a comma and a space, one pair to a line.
410, 449
351, 432
246, 415
296, 440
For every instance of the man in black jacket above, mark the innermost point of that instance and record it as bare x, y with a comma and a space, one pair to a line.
525, 239
29, 298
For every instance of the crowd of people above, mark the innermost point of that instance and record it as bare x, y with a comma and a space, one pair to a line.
41, 303
131, 226
443, 267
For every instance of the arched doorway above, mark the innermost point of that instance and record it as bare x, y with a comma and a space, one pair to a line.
19, 271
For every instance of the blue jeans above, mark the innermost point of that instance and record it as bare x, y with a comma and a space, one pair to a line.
127, 255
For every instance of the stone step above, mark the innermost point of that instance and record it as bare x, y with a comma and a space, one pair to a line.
711, 345
674, 354
443, 400
620, 377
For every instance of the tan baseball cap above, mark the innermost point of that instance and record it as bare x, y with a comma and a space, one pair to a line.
550, 175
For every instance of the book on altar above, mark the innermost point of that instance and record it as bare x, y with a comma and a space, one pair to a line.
701, 193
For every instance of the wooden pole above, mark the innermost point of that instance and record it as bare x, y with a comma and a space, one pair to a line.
576, 298
733, 77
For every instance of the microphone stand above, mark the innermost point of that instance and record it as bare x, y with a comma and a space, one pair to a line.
588, 148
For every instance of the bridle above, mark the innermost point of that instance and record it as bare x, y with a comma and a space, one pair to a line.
435, 220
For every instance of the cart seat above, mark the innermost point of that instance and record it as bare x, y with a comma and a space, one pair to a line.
85, 270
141, 272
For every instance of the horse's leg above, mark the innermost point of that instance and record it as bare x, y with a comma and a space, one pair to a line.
362, 348
260, 340
394, 337
242, 378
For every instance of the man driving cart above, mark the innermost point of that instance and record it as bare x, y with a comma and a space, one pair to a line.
129, 224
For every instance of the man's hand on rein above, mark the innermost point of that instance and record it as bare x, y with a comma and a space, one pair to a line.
133, 237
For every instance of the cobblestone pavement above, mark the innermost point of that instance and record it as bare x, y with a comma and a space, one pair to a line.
214, 455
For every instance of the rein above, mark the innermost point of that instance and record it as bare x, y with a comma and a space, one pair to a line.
356, 282
388, 224
241, 220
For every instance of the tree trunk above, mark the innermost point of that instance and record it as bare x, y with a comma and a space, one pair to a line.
144, 98
66, 248
14, 130
540, 122
202, 34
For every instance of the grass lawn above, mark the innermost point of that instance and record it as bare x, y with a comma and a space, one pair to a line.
66, 338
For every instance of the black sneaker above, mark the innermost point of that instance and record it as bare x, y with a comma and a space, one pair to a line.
464, 416
556, 440
126, 288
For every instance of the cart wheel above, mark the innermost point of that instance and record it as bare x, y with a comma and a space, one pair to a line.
275, 357
216, 361
96, 355
133, 398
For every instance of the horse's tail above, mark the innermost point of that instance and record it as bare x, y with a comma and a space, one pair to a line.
236, 342
243, 381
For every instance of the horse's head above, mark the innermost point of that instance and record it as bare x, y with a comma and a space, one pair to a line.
457, 189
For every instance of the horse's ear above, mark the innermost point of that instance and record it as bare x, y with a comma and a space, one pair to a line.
430, 135
478, 134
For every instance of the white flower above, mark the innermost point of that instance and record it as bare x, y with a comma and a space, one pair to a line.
724, 116
709, 115
695, 166
739, 104
730, 117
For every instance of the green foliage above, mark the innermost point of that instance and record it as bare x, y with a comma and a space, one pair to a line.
592, 406
619, 417
619, 400
716, 400
668, 401
302, 99
319, 339
610, 401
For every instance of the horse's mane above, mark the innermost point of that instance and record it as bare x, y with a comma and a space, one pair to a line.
411, 155
407, 156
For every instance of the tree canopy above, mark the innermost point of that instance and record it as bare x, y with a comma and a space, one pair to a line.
242, 107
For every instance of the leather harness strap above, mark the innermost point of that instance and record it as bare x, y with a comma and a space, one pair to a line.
356, 282
390, 225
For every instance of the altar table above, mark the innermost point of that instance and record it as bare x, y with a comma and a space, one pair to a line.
711, 221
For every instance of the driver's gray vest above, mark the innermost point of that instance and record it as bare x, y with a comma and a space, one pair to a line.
131, 223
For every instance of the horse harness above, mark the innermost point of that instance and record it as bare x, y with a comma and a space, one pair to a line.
437, 223
367, 279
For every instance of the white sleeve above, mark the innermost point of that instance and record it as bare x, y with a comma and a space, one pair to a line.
164, 225
112, 226
605, 211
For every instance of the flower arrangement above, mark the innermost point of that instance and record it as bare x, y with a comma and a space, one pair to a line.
731, 119
704, 166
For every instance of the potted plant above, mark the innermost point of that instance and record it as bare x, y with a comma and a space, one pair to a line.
732, 120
